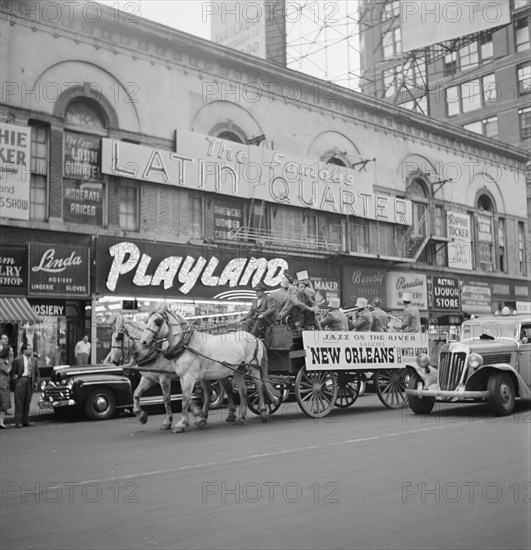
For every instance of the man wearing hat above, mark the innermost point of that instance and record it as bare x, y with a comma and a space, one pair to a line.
280, 295
363, 322
411, 318
335, 319
262, 312
380, 319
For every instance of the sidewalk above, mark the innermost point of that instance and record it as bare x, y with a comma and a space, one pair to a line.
35, 414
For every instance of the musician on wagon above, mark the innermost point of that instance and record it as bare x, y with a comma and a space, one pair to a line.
335, 319
380, 319
262, 313
363, 322
411, 318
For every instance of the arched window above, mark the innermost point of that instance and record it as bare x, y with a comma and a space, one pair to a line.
485, 203
418, 192
230, 136
86, 113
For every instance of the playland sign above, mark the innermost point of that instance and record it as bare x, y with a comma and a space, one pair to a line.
216, 165
338, 350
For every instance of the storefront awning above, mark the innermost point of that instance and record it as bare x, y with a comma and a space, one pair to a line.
17, 310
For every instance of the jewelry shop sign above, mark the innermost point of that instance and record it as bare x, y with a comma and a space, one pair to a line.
347, 350
58, 269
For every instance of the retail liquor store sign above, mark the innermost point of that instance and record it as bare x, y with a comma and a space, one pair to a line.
58, 269
216, 165
171, 271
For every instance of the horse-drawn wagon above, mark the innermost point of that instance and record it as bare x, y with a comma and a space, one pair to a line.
326, 369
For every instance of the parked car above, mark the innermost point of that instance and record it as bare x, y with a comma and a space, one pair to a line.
98, 391
490, 362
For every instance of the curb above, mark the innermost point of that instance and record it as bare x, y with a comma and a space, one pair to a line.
35, 414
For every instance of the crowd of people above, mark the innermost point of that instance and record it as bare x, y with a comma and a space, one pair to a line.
21, 375
294, 304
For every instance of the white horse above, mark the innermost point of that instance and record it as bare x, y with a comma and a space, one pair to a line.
158, 371
200, 356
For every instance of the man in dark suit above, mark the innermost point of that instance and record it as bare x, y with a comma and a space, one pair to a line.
25, 374
263, 312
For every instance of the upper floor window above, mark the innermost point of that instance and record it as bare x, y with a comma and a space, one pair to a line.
521, 34
129, 206
39, 172
391, 10
521, 245
487, 127
471, 95
485, 234
501, 245
524, 116
468, 56
85, 113
524, 79
392, 43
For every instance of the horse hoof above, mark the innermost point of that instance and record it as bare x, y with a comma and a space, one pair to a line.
231, 417
239, 422
264, 417
165, 427
179, 429
143, 417
201, 423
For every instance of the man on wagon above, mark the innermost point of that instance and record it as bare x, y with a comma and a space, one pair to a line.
411, 318
380, 319
363, 322
262, 312
335, 319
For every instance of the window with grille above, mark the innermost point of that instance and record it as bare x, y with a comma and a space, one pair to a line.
521, 34
501, 245
129, 206
39, 173
524, 79
524, 116
522, 267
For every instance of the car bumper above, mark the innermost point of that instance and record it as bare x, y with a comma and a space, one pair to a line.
447, 394
44, 404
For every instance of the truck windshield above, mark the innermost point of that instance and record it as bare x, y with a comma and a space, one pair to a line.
489, 330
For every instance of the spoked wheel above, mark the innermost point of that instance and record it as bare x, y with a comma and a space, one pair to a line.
316, 392
391, 387
254, 404
349, 386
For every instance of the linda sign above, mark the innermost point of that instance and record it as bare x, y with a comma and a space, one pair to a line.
211, 164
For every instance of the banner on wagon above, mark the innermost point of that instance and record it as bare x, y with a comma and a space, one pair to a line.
338, 350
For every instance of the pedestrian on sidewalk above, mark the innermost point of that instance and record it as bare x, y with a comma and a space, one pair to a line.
82, 351
6, 356
25, 374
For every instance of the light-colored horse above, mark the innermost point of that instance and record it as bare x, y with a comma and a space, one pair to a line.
201, 356
158, 371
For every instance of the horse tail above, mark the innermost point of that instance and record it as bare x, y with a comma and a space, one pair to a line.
271, 391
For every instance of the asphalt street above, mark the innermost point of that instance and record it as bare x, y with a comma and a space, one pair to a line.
364, 477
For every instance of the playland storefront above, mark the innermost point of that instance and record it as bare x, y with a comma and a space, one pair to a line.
211, 286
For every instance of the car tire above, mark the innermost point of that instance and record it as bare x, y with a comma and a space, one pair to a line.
502, 394
100, 405
419, 405
218, 396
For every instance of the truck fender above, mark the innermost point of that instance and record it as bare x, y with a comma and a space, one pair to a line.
480, 377
428, 374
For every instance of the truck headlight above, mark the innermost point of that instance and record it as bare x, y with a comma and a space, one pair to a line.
475, 360
423, 360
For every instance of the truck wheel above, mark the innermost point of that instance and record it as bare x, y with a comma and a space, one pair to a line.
419, 405
501, 394
100, 405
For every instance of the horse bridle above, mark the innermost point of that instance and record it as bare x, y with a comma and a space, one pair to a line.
120, 338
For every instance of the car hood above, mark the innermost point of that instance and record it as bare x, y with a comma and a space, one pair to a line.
62, 372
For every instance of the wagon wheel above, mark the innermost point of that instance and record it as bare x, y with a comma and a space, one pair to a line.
391, 387
254, 404
316, 392
349, 384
